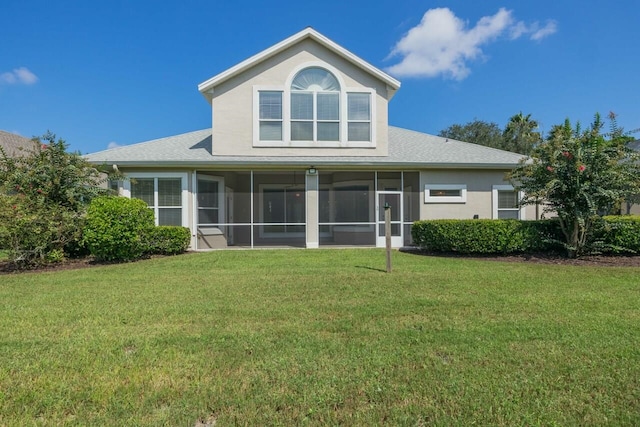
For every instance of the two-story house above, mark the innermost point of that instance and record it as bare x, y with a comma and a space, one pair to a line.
300, 153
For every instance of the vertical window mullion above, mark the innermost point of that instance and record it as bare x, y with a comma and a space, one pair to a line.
315, 116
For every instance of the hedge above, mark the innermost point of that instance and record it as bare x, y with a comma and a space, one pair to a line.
487, 236
620, 234
611, 234
168, 240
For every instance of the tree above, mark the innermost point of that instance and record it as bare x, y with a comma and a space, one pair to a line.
520, 135
477, 132
43, 198
578, 174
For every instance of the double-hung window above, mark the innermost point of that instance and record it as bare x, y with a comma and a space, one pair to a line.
164, 193
270, 112
506, 203
359, 116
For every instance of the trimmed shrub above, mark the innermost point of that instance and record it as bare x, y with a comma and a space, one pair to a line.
620, 234
116, 228
168, 240
487, 236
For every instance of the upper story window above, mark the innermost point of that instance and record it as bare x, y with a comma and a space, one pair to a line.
315, 106
315, 109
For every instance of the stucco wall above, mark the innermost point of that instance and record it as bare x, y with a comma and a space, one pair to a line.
479, 194
233, 109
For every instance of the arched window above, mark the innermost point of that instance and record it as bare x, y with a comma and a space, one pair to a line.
315, 106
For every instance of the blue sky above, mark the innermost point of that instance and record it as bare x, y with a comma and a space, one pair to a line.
120, 72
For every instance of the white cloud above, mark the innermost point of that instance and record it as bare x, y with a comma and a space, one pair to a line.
547, 30
20, 75
443, 44
112, 144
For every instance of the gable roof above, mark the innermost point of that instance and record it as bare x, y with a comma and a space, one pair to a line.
307, 33
635, 145
14, 145
406, 149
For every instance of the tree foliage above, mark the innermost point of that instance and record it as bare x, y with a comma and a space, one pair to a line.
43, 198
578, 174
520, 134
477, 132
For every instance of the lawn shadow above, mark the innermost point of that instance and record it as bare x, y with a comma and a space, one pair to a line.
371, 268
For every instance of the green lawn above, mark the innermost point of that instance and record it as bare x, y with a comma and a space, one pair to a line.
320, 337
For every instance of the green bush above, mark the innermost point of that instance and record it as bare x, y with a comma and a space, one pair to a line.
34, 232
487, 236
620, 234
168, 240
116, 228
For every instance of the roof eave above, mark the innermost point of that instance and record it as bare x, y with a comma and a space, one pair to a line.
206, 88
190, 164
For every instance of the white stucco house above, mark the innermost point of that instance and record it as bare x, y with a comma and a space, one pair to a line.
300, 153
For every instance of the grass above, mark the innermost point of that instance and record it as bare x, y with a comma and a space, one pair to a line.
320, 337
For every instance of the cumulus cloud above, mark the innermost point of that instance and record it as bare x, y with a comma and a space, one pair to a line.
20, 75
443, 44
112, 144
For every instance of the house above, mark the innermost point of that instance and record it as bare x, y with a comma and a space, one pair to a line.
300, 153
15, 145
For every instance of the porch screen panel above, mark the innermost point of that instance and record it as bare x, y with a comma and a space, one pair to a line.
279, 204
346, 208
208, 196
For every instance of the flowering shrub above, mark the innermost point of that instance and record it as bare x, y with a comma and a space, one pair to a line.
578, 175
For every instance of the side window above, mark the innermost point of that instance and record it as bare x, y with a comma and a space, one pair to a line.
505, 203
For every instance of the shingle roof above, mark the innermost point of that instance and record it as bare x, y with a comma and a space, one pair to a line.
635, 145
406, 148
14, 145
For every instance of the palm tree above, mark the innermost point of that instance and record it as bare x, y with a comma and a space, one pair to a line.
521, 135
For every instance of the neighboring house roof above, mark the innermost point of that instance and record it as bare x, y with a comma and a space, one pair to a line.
309, 33
14, 145
635, 145
406, 148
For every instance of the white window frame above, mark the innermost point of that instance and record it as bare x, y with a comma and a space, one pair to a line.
126, 191
343, 142
428, 198
494, 199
